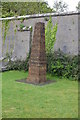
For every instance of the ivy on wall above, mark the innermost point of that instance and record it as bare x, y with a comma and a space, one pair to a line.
50, 35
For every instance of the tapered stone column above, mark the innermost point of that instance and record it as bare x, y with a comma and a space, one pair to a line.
37, 63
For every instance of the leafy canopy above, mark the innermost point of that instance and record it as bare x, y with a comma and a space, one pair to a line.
24, 8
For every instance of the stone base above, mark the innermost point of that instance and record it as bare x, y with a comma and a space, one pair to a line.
39, 84
36, 80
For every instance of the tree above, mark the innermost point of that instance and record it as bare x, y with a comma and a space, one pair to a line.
0, 9
60, 6
78, 7
24, 8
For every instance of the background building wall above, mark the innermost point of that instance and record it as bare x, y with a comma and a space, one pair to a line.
17, 43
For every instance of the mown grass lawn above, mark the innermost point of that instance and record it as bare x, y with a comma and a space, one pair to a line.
55, 100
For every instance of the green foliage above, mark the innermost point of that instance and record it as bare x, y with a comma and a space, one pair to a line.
0, 9
62, 65
15, 31
50, 35
24, 8
18, 64
27, 28
31, 29
58, 64
22, 26
46, 19
5, 25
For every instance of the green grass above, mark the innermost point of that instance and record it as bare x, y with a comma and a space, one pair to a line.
55, 100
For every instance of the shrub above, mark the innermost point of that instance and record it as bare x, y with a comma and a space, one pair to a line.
57, 64
62, 65
18, 64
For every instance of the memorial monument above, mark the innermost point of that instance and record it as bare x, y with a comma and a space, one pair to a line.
37, 62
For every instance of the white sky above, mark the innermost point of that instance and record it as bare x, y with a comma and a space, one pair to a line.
71, 4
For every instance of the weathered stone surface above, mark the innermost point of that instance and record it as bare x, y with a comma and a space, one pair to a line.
37, 63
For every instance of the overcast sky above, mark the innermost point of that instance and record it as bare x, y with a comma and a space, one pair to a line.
71, 3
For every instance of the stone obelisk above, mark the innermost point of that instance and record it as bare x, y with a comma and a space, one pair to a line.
37, 62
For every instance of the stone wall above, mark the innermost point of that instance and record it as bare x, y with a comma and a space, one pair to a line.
17, 42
